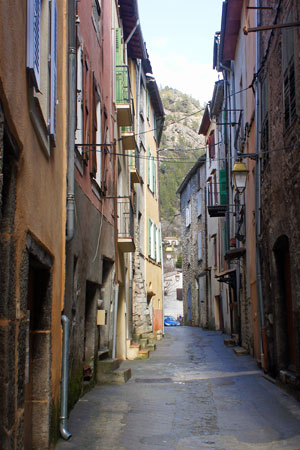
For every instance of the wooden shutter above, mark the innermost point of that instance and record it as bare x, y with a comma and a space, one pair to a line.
149, 236
53, 71
211, 144
154, 242
222, 184
154, 176
86, 108
199, 245
93, 124
199, 204
149, 162
34, 40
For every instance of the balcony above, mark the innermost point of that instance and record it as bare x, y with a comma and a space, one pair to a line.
125, 226
216, 202
134, 164
128, 138
124, 113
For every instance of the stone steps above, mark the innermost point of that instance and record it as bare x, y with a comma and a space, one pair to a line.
109, 372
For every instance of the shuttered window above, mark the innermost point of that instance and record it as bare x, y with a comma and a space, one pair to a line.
53, 71
79, 104
211, 145
199, 245
149, 236
158, 244
222, 184
199, 206
188, 215
34, 41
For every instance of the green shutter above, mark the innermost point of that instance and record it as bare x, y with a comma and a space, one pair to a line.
222, 181
149, 237
148, 166
155, 252
119, 47
154, 176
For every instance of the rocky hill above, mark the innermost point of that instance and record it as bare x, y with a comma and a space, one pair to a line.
179, 149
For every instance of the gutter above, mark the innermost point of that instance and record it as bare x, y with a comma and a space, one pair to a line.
65, 434
262, 333
71, 122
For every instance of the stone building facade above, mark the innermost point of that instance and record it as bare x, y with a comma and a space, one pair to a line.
32, 219
194, 245
280, 219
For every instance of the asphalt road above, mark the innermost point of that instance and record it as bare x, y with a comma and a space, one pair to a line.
193, 393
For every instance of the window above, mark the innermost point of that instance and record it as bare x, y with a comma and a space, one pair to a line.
96, 18
152, 237
199, 206
199, 179
158, 245
215, 254
188, 215
41, 63
79, 105
211, 145
151, 173
34, 41
199, 245
98, 141
288, 68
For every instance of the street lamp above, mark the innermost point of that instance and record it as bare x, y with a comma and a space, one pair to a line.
239, 176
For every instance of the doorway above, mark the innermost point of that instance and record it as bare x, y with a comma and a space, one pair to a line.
38, 357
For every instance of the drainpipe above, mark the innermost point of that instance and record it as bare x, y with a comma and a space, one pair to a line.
71, 121
262, 334
115, 320
65, 378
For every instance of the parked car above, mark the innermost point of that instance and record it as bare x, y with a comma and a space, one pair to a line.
170, 321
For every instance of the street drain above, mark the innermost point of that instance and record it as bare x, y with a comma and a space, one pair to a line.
153, 380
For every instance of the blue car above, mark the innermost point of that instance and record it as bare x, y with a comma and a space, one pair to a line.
169, 321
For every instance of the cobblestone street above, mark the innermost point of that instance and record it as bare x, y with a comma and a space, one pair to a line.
193, 393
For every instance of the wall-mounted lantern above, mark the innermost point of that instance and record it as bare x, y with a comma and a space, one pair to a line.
239, 176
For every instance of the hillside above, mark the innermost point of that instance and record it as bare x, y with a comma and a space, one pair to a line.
179, 149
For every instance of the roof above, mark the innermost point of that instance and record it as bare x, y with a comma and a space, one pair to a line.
130, 15
189, 175
230, 28
205, 123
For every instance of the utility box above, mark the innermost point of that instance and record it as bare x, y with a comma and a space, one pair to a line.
101, 317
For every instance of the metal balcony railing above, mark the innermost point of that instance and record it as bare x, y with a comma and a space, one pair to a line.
125, 219
122, 84
216, 200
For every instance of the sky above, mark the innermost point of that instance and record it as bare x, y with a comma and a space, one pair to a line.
179, 36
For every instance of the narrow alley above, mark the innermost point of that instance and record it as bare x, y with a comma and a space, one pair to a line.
193, 393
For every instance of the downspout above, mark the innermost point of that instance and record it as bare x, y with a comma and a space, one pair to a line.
262, 334
71, 121
65, 379
115, 319
116, 302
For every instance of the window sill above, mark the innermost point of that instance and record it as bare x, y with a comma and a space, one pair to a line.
38, 122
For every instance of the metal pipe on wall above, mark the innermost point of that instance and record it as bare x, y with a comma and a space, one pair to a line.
65, 434
71, 121
262, 336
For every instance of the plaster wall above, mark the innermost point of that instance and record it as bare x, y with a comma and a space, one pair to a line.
40, 192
